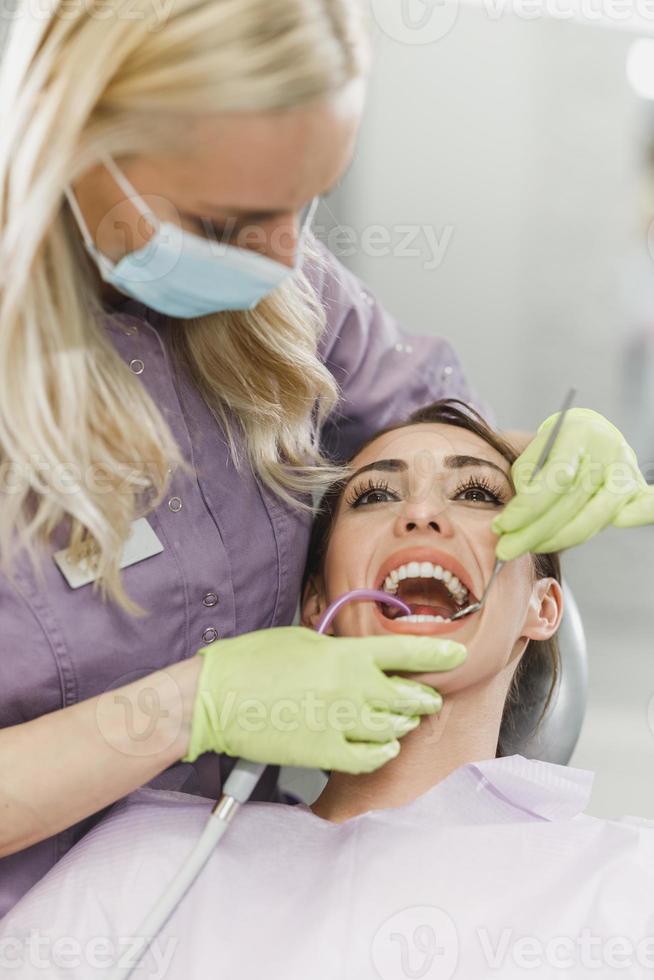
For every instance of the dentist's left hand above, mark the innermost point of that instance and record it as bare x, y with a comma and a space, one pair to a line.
591, 479
290, 696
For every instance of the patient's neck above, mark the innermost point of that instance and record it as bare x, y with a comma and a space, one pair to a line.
465, 730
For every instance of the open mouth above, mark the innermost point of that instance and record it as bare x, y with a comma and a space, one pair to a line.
433, 592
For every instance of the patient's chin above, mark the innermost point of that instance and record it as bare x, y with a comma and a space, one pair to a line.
484, 661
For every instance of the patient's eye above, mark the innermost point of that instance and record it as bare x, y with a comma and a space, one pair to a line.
480, 490
371, 492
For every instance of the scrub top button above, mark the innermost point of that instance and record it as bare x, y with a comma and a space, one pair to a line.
447, 371
210, 634
210, 599
175, 504
136, 365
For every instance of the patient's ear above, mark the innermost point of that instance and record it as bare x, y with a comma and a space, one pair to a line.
314, 602
545, 610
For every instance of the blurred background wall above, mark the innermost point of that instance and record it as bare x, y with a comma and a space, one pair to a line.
523, 148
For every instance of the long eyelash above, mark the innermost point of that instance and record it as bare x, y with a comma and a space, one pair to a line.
482, 483
359, 489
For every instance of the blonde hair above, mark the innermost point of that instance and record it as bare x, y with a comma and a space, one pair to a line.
71, 89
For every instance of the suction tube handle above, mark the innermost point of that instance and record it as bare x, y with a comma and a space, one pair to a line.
243, 778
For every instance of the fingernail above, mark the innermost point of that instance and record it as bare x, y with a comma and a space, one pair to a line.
424, 704
431, 707
405, 725
451, 658
392, 748
432, 703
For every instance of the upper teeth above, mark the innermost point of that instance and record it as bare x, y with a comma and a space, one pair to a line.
425, 569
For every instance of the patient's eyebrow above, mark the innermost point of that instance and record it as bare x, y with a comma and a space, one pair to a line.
383, 466
459, 462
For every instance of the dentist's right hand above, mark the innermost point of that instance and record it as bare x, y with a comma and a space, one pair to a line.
291, 696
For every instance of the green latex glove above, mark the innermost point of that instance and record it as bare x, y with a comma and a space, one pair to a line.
591, 474
289, 696
639, 510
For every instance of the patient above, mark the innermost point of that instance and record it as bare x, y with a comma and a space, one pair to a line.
442, 864
426, 492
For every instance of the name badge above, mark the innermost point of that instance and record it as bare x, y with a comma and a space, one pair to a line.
142, 543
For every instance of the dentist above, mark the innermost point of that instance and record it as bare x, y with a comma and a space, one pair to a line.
181, 367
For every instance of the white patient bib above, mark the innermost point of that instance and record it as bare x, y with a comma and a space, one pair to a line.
493, 873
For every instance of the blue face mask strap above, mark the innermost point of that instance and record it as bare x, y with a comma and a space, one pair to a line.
308, 217
130, 193
305, 225
86, 235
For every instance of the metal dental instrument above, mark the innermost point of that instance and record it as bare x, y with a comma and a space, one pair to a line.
547, 448
238, 788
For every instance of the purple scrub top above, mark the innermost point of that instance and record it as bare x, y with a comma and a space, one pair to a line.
233, 552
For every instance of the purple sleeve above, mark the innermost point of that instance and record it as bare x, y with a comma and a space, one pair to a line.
384, 373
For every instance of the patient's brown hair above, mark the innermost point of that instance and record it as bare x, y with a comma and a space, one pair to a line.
541, 659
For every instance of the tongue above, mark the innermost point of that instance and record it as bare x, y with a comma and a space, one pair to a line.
418, 610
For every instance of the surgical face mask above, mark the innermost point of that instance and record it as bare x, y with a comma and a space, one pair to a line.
186, 275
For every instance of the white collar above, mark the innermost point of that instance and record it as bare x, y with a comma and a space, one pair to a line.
508, 789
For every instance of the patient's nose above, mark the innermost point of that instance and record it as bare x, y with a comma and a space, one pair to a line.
425, 516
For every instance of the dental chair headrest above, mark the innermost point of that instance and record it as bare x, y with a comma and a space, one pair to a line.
557, 735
